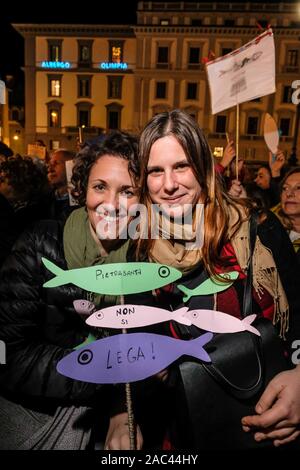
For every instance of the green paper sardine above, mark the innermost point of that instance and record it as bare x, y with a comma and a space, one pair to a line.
115, 278
210, 286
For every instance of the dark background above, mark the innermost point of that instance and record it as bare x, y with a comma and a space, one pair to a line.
61, 11
54, 11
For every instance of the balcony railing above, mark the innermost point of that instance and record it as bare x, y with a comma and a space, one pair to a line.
164, 65
87, 130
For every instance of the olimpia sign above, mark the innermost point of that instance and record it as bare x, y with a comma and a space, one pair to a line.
113, 66
55, 65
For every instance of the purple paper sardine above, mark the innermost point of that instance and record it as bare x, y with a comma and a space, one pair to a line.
129, 357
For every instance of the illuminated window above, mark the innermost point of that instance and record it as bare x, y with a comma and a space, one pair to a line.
116, 51
54, 118
54, 113
218, 152
54, 144
54, 84
116, 54
55, 88
54, 50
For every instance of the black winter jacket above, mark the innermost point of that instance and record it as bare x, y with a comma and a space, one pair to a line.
38, 325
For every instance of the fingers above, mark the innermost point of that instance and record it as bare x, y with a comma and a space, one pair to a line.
237, 189
267, 419
119, 439
291, 438
269, 395
278, 434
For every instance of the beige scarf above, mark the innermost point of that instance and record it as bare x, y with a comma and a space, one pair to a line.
265, 274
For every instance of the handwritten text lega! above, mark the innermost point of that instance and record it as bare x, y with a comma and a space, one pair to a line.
130, 356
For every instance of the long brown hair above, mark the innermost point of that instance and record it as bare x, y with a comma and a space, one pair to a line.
193, 141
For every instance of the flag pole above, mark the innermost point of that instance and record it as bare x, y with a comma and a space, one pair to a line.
237, 138
131, 424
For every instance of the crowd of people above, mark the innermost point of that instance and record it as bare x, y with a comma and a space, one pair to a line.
170, 166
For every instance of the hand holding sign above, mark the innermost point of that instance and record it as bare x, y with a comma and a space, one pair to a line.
276, 162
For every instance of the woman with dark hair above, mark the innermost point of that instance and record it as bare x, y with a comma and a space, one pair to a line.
24, 190
178, 176
268, 178
39, 408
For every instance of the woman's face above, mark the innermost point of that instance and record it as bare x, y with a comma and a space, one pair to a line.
263, 178
110, 193
170, 179
290, 196
5, 188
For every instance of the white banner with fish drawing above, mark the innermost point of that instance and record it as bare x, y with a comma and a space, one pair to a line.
244, 74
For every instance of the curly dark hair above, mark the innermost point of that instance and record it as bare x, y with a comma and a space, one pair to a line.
27, 178
118, 144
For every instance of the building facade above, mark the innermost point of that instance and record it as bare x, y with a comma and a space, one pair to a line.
98, 78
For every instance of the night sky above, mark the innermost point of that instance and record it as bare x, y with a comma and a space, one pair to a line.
48, 11
12, 44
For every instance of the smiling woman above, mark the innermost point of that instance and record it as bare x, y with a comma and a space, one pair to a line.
177, 170
40, 326
110, 194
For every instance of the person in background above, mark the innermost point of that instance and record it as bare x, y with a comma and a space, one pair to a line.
288, 210
5, 152
24, 194
269, 176
59, 206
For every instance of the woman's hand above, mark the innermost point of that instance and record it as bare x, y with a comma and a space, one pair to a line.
278, 410
237, 189
118, 434
276, 163
228, 155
